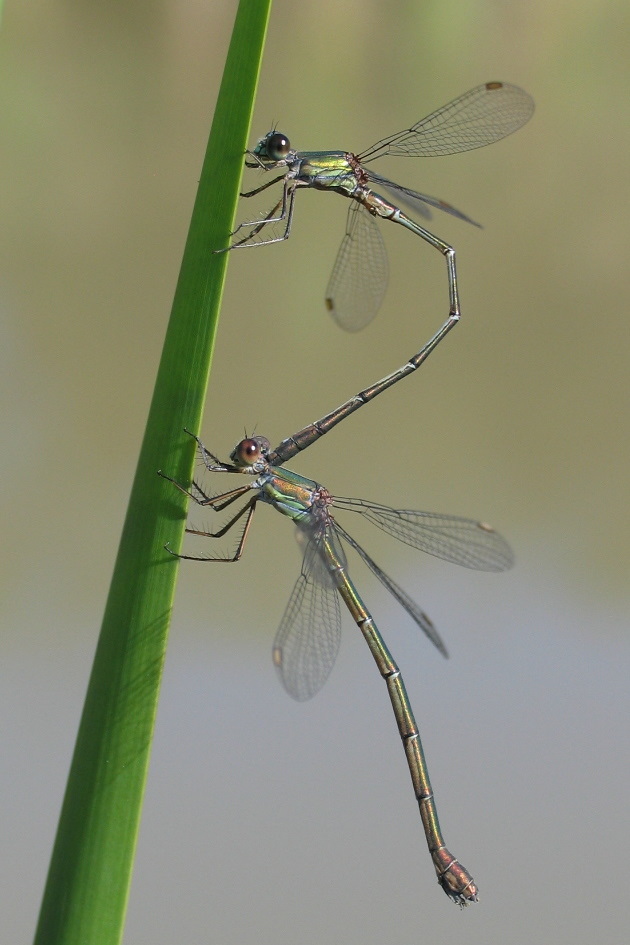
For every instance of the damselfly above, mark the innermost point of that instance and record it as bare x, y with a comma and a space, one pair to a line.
307, 640
359, 277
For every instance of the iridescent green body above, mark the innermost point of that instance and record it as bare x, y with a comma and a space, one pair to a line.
324, 170
289, 493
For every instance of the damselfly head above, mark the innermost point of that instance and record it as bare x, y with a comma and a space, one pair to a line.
273, 147
251, 452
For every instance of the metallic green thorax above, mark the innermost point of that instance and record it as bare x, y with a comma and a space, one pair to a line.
326, 170
291, 494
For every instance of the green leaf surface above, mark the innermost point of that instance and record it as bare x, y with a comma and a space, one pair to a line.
88, 882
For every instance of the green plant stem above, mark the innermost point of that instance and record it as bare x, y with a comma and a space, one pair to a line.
87, 887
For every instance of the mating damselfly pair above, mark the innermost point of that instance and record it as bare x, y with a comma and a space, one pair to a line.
308, 637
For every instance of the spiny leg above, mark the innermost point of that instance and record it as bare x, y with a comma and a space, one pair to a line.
284, 205
259, 190
216, 465
217, 503
248, 509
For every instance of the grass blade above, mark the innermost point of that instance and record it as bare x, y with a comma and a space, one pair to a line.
88, 881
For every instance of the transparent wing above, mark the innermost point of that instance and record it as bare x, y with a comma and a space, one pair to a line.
477, 118
415, 200
307, 641
359, 278
424, 622
459, 540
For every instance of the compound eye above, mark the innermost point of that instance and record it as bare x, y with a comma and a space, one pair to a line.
248, 451
278, 146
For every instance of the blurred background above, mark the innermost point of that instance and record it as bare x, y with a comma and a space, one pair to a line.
265, 820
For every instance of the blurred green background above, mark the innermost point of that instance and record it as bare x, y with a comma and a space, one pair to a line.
268, 821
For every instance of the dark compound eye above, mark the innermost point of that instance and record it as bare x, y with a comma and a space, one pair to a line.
278, 146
